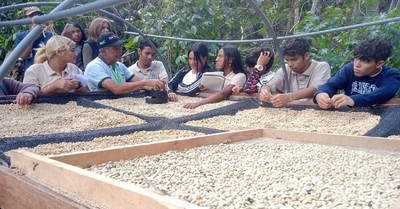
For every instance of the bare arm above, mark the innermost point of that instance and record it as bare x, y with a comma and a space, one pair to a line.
62, 85
133, 85
217, 97
265, 93
282, 99
27, 51
304, 93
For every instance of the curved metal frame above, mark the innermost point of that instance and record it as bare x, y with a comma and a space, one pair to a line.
58, 13
98, 5
271, 31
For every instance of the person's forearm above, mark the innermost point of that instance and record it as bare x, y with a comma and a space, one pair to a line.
124, 88
49, 89
304, 93
27, 52
217, 97
165, 80
83, 89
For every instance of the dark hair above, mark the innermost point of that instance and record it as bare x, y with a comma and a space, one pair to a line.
252, 57
82, 31
232, 52
296, 46
199, 50
144, 43
377, 49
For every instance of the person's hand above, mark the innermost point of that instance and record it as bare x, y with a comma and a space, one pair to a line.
173, 97
340, 100
156, 84
237, 89
264, 58
265, 94
191, 105
65, 84
323, 100
280, 99
67, 34
201, 86
31, 26
72, 83
23, 99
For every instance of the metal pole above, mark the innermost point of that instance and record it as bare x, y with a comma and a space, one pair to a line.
29, 39
275, 40
89, 7
344, 28
36, 4
55, 14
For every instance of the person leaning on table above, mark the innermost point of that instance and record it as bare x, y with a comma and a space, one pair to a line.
146, 67
366, 81
305, 75
187, 80
259, 62
53, 71
26, 93
29, 54
105, 72
229, 61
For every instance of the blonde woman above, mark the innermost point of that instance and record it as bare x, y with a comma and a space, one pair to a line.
53, 71
90, 49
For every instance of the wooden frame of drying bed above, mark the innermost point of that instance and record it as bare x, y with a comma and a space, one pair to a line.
66, 170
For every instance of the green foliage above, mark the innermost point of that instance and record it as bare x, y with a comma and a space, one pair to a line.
337, 48
208, 19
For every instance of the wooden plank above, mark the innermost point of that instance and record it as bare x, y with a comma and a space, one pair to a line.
104, 190
118, 194
379, 143
88, 158
21, 192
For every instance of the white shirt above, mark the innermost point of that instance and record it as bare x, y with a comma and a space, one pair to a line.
189, 78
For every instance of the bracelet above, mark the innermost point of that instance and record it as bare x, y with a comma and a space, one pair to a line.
291, 96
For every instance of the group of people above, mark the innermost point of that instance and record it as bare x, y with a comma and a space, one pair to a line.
69, 63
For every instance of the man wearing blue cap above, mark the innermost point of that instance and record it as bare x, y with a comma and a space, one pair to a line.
106, 72
29, 54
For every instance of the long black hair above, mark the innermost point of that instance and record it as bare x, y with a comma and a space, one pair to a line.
199, 50
82, 31
232, 53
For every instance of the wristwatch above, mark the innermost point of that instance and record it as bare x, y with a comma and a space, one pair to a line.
259, 68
